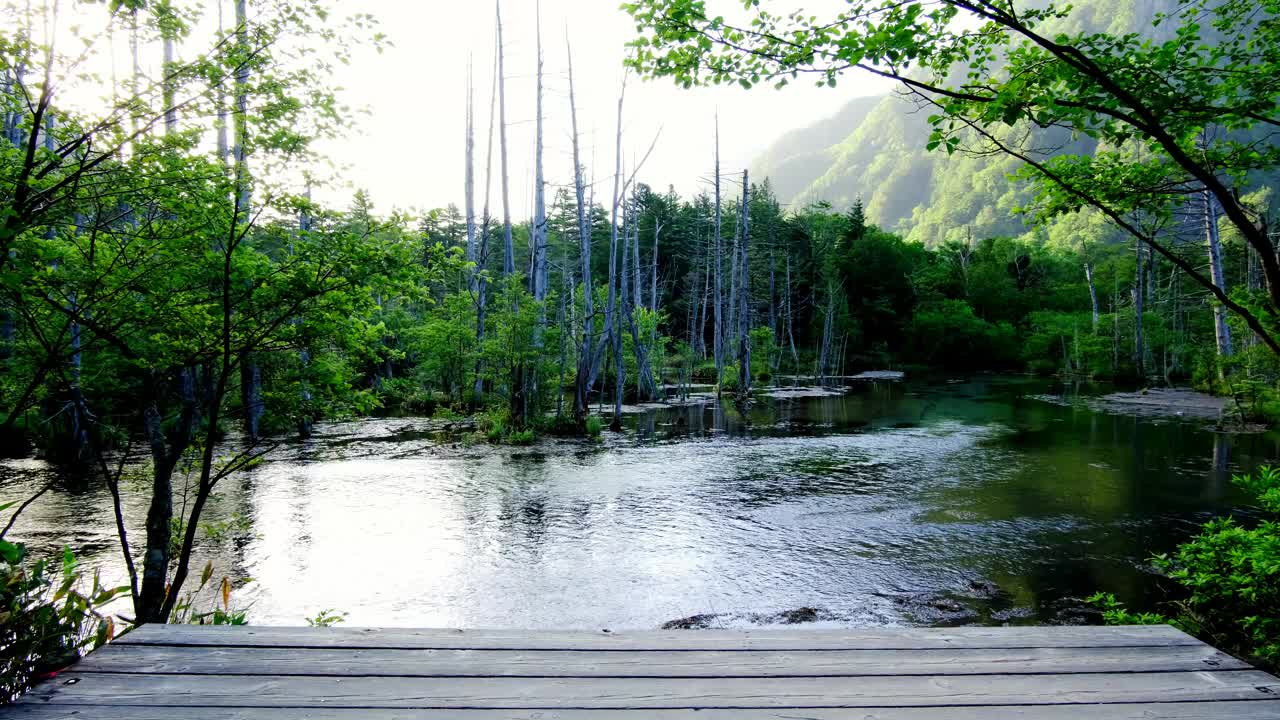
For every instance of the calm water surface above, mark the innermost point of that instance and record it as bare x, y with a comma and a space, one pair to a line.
924, 503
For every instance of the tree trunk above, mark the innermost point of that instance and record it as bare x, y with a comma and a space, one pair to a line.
1222, 331
653, 266
469, 179
304, 355
155, 559
828, 330
509, 260
744, 293
719, 264
1093, 294
773, 307
1115, 327
791, 338
482, 251
538, 233
1139, 344
220, 121
250, 374
731, 300
645, 385
612, 329
703, 298
586, 351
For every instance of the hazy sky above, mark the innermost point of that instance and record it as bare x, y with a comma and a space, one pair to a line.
408, 152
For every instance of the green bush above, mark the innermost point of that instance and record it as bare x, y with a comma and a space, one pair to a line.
1230, 578
48, 618
407, 395
493, 424
705, 372
948, 333
730, 382
595, 426
521, 437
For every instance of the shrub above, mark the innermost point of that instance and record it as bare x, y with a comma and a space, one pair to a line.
1230, 577
493, 424
407, 395
521, 437
48, 619
561, 426
595, 426
730, 382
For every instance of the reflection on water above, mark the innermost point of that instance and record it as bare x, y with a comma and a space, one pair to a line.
924, 504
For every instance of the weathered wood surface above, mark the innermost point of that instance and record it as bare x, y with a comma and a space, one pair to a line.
1169, 711
718, 640
649, 663
201, 673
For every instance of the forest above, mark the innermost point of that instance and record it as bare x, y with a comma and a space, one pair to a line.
174, 299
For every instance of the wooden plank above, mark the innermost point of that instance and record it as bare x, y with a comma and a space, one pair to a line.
556, 693
723, 640
120, 658
1263, 710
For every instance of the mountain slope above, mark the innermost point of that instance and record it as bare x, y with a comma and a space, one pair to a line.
874, 150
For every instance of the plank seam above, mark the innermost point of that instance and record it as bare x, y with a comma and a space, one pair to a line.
456, 676
632, 708
252, 646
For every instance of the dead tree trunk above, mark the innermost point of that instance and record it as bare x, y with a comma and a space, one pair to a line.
719, 263
538, 233
744, 293
1222, 331
586, 349
482, 251
469, 181
509, 261
1139, 344
612, 324
1093, 294
250, 373
787, 317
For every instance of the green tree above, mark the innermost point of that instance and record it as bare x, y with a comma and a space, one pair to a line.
1190, 112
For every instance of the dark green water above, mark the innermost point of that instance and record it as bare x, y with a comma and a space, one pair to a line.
920, 503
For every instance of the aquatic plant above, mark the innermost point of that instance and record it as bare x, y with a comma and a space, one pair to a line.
327, 618
595, 426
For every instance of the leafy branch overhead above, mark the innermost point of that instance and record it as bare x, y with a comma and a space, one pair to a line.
1188, 106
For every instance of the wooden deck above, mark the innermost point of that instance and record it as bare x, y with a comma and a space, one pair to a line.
1049, 673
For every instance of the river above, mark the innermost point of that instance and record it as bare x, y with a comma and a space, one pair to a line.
923, 503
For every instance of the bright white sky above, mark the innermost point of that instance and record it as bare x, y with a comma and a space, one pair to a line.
408, 152
407, 149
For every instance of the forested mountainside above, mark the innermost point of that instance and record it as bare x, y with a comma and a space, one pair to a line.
873, 149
